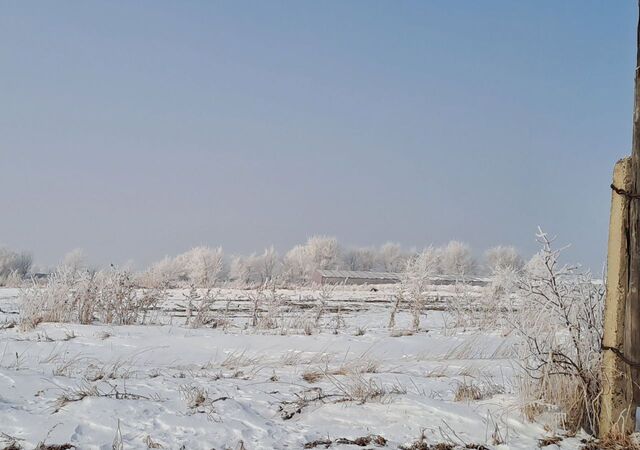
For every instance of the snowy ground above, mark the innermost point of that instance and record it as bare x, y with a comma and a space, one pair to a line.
170, 386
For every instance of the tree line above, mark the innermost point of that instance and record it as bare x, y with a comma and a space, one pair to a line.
206, 266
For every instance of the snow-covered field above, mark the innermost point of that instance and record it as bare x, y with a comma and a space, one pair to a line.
166, 385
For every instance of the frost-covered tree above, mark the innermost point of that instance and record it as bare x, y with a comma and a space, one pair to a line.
297, 264
415, 280
503, 257
457, 259
268, 264
320, 252
392, 258
13, 264
536, 266
73, 263
425, 265
239, 271
255, 269
364, 258
324, 252
163, 273
202, 266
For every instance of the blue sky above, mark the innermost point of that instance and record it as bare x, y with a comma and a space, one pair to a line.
139, 129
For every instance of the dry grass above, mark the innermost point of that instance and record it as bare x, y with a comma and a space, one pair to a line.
614, 441
291, 358
8, 442
551, 440
43, 446
102, 335
312, 376
359, 389
75, 395
199, 401
437, 372
467, 391
401, 333
116, 370
362, 364
364, 441
108, 296
150, 443
65, 365
474, 390
238, 359
85, 390
560, 400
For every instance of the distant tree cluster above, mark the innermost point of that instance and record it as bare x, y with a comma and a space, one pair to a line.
207, 266
200, 266
204, 266
13, 265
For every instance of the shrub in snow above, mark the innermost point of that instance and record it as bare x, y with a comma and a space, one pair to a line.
84, 297
199, 308
560, 327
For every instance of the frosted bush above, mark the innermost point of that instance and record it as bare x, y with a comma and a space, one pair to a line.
560, 325
84, 297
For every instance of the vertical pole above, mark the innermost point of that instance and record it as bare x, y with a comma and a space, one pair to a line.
615, 400
632, 316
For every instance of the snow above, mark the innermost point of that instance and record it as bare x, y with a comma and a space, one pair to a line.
238, 387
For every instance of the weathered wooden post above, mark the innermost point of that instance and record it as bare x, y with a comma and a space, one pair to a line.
621, 340
616, 401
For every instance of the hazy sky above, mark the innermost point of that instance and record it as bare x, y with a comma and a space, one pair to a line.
140, 129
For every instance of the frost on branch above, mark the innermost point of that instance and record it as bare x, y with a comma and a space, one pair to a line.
560, 325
